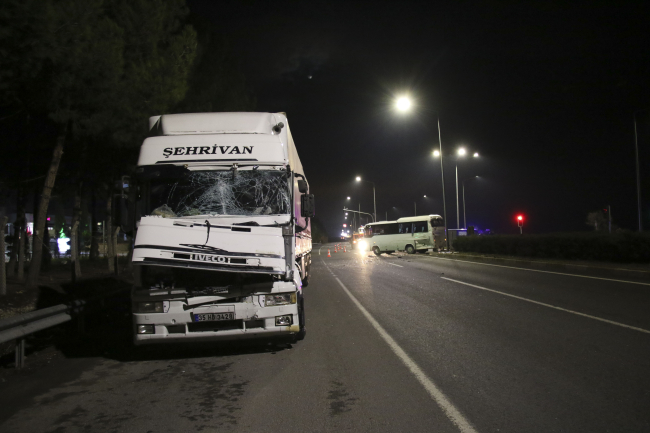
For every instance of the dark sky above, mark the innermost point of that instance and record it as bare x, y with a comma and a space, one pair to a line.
545, 92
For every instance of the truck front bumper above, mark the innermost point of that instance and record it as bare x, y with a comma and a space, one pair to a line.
249, 322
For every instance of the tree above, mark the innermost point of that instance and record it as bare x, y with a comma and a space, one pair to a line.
96, 68
597, 220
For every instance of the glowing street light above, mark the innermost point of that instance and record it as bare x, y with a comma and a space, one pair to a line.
374, 199
461, 152
403, 104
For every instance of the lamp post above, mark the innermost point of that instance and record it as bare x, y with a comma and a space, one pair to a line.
403, 104
638, 177
415, 207
374, 199
461, 152
464, 214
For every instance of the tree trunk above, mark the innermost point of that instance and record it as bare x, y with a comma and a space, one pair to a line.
114, 241
108, 231
47, 254
3, 271
74, 236
13, 258
22, 236
94, 233
75, 269
39, 224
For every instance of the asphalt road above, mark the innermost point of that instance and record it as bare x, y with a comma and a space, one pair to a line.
395, 343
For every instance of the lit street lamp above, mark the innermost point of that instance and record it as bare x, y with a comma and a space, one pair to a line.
460, 153
415, 207
374, 199
403, 104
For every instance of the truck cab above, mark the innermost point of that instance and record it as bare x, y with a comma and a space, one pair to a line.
223, 237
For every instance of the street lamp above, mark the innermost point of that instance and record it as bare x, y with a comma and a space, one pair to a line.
415, 206
403, 104
464, 214
374, 199
461, 152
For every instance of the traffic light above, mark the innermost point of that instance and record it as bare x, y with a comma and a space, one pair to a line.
520, 223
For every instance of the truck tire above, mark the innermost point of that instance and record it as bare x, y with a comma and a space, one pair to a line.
410, 249
301, 319
305, 282
375, 250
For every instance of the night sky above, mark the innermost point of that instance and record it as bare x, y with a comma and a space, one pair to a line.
545, 92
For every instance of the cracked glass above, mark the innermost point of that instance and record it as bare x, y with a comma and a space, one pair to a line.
242, 192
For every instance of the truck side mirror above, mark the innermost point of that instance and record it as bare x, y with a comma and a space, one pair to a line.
307, 206
302, 186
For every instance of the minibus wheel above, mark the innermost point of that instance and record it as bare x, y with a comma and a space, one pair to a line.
376, 251
410, 249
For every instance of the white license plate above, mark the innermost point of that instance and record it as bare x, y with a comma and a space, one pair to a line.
213, 317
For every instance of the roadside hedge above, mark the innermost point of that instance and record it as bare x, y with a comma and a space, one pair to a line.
627, 247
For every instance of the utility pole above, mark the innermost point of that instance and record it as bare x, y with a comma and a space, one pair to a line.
442, 173
638, 177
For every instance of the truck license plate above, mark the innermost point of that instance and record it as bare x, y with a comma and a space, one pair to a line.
212, 317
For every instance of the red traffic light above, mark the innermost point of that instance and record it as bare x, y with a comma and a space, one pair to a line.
345, 225
520, 218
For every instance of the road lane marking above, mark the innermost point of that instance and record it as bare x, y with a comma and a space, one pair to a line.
454, 415
546, 272
611, 322
399, 266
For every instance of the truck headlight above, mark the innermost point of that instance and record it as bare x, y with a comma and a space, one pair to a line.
149, 307
146, 329
279, 299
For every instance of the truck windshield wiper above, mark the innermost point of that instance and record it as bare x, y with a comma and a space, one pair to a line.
256, 224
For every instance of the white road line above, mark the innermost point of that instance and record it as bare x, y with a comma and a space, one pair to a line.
399, 266
546, 272
447, 406
550, 306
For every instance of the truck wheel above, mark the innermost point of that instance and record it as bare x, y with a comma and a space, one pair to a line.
375, 250
410, 249
305, 282
301, 318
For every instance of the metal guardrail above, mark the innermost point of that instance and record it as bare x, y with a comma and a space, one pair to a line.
18, 327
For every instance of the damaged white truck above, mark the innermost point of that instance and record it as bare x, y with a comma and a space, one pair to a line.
222, 229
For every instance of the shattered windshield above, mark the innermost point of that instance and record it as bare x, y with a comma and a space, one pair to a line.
240, 192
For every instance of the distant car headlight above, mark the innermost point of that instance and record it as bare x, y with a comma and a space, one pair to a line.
279, 299
149, 307
363, 245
